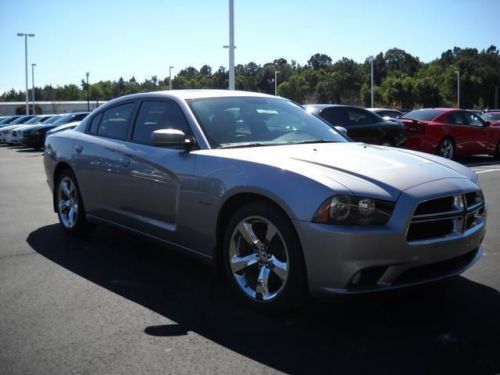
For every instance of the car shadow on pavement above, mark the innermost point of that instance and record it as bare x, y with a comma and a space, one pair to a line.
451, 327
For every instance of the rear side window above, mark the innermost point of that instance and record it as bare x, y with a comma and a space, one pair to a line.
335, 116
457, 118
95, 123
115, 121
423, 114
154, 115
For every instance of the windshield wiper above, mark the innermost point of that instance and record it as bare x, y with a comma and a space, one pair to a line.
241, 145
315, 141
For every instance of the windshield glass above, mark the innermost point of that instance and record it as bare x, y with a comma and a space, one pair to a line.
252, 121
422, 114
491, 116
63, 120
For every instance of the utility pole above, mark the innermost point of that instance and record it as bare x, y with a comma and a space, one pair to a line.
371, 79
231, 46
26, 35
276, 72
33, 86
88, 92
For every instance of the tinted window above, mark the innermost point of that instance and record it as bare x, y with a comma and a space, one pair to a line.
335, 116
155, 115
357, 116
457, 118
115, 121
473, 119
422, 114
95, 123
491, 116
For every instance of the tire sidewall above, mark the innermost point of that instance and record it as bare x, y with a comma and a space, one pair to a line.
294, 292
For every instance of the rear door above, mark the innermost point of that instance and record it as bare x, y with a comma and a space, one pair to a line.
100, 160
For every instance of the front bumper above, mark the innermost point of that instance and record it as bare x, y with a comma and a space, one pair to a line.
352, 260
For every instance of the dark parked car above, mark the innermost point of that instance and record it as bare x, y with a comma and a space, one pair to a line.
35, 136
449, 132
362, 125
386, 112
493, 117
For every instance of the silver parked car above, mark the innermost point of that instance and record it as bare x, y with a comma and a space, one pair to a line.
286, 205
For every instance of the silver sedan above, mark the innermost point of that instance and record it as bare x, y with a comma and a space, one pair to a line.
282, 203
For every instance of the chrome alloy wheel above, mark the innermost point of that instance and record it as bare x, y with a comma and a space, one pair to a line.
67, 202
446, 148
258, 258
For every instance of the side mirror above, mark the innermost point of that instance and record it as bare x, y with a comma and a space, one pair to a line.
487, 123
341, 130
169, 138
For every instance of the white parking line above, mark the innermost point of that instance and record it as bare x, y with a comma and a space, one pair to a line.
479, 171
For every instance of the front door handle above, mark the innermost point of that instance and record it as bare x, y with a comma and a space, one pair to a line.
78, 149
125, 162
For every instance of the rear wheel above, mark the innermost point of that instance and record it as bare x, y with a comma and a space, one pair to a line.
69, 205
446, 148
263, 259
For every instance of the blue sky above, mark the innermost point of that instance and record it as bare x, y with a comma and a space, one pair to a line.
111, 38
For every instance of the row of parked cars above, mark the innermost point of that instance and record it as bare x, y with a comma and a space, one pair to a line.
31, 130
447, 132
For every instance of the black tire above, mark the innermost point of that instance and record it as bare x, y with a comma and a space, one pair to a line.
282, 248
446, 148
497, 150
78, 226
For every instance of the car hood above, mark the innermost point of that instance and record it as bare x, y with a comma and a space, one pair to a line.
382, 172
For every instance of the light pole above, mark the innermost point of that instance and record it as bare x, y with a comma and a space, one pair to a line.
457, 72
276, 72
231, 45
88, 92
371, 79
33, 85
170, 77
26, 35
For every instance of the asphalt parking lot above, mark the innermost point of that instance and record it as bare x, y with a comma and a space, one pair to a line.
116, 304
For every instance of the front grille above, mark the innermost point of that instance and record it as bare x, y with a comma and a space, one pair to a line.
445, 216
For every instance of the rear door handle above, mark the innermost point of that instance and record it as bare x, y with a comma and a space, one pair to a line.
125, 162
78, 149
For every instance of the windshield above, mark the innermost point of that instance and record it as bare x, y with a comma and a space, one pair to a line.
422, 114
253, 121
491, 116
63, 119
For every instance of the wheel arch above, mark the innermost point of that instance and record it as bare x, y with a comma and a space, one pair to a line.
230, 206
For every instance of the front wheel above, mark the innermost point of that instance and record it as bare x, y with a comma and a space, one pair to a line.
263, 258
446, 148
70, 206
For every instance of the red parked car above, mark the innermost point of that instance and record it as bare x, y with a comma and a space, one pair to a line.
450, 132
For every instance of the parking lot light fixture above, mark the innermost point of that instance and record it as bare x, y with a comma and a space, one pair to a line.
170, 77
26, 35
232, 84
33, 86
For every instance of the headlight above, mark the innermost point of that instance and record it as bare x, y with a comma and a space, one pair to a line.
347, 210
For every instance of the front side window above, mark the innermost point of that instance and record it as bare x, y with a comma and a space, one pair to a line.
154, 115
491, 116
115, 121
255, 121
335, 116
473, 119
